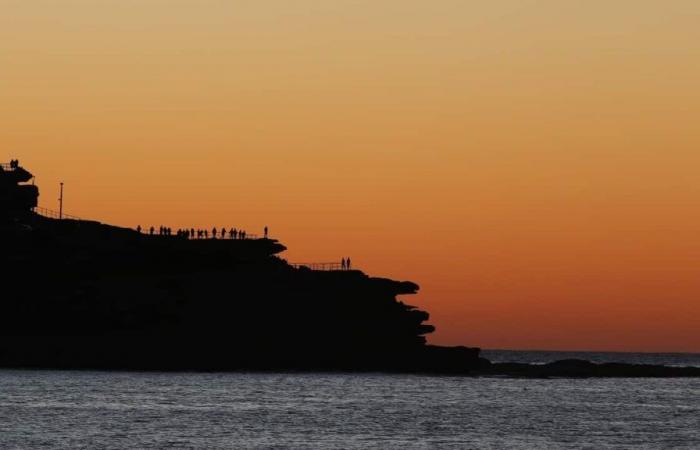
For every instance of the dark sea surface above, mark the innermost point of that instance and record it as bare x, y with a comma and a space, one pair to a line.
545, 356
125, 410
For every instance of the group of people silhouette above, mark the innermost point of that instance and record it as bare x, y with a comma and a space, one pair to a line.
216, 233
191, 233
14, 164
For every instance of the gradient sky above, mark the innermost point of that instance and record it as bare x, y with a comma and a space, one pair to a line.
533, 165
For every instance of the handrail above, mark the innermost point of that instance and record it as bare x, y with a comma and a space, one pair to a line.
51, 214
322, 266
227, 237
195, 237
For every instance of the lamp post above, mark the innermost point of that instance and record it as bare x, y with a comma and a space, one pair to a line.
60, 203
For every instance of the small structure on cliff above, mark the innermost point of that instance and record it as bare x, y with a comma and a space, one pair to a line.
15, 194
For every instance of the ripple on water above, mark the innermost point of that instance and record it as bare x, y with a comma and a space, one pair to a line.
141, 410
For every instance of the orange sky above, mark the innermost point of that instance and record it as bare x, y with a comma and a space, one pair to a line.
532, 164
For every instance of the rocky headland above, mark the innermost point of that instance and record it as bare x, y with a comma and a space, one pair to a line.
80, 294
85, 295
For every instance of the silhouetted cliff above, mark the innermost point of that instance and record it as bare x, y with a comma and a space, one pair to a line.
80, 294
84, 294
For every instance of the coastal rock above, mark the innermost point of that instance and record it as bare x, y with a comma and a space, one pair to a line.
81, 294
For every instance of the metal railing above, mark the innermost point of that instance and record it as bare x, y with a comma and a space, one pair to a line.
227, 237
51, 214
7, 167
187, 234
322, 266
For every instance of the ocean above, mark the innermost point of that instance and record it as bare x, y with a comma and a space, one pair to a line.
130, 410
546, 356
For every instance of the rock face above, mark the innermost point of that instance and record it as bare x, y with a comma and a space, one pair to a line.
79, 294
84, 294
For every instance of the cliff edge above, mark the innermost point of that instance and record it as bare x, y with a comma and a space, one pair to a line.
81, 294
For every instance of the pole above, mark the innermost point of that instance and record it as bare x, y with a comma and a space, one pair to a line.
60, 203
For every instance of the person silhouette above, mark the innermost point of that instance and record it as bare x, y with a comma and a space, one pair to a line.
152, 230
265, 232
348, 264
138, 229
223, 233
342, 264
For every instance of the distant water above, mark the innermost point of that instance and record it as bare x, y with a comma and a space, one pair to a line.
101, 410
543, 357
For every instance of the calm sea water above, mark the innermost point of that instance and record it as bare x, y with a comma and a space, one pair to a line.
543, 357
101, 410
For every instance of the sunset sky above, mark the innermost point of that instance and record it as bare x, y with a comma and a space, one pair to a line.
532, 164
